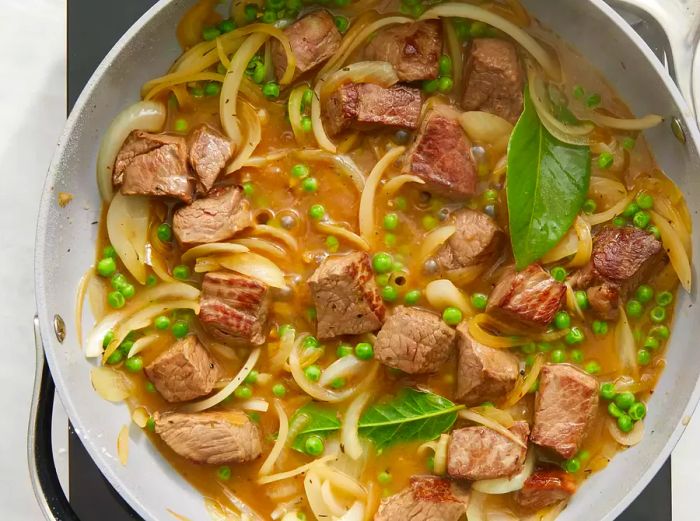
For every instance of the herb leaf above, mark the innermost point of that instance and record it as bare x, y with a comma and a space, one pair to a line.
546, 186
322, 421
409, 416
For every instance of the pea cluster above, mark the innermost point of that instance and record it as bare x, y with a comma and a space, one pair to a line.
122, 288
474, 29
132, 364
444, 82
389, 276
644, 295
573, 465
636, 213
624, 407
591, 100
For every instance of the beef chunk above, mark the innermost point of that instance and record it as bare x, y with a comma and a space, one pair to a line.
477, 453
213, 438
483, 373
314, 38
153, 164
477, 240
234, 307
347, 298
209, 153
213, 219
530, 297
414, 340
621, 259
441, 154
184, 372
565, 406
543, 488
494, 78
364, 106
427, 498
413, 49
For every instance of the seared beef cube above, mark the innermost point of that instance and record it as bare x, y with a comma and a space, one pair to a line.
234, 307
184, 372
213, 438
213, 219
209, 153
153, 164
413, 49
441, 154
544, 488
477, 240
414, 340
427, 498
494, 78
565, 406
477, 453
364, 106
314, 38
347, 298
531, 296
483, 373
621, 259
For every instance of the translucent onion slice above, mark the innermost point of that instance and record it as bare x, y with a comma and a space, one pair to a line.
394, 184
440, 460
281, 235
123, 445
475, 510
344, 367
625, 345
330, 500
314, 496
263, 246
478, 333
279, 358
496, 414
214, 248
470, 415
251, 123
140, 416
508, 484
294, 111
143, 115
585, 244
256, 266
627, 439
110, 384
280, 442
643, 123
355, 513
224, 393
676, 252
341, 481
609, 214
571, 302
141, 344
472, 12
127, 229
295, 472
434, 239
367, 207
485, 128
443, 293
255, 404
349, 433
455, 48
343, 233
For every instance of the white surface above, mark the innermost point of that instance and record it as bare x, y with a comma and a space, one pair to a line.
32, 101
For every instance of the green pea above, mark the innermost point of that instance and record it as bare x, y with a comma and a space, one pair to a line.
341, 23
383, 279
637, 411
643, 357
445, 65
180, 329
578, 92
628, 143
306, 124
528, 348
151, 280
283, 329
197, 92
430, 86
310, 342
664, 298
657, 314
645, 201
151, 424
332, 243
641, 219
213, 88
391, 221
181, 124
389, 293
317, 211
654, 231
116, 299
313, 373
116, 357
478, 29
461, 28
118, 281
223, 473
445, 84
572, 466
592, 367
614, 410
583, 455
107, 339
181, 272
390, 240
605, 160
311, 314
607, 391
269, 16
581, 299
343, 350
593, 101
300, 171
109, 251
279, 390
600, 327
401, 203
106, 267
589, 206
165, 232
558, 273
243, 392
259, 73
544, 347
651, 343
452, 316
382, 262
252, 377
558, 356
625, 423
479, 301
134, 364
490, 195
429, 222
574, 336
576, 355
619, 221
644, 293
313, 445
210, 33
412, 297
631, 209
150, 388
226, 26
364, 351
634, 308
309, 184
661, 332
338, 383
624, 400
562, 320
529, 360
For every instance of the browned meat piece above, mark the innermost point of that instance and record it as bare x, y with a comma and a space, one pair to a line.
477, 240
414, 340
213, 219
234, 307
314, 38
531, 296
209, 153
413, 49
543, 488
441, 154
365, 106
213, 438
153, 164
347, 298
565, 406
184, 372
477, 453
621, 259
494, 78
483, 373
427, 498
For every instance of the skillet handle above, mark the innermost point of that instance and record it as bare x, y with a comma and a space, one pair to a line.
680, 20
42, 470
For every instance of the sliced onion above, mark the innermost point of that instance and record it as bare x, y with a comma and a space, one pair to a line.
183, 79
263, 246
342, 162
329, 499
566, 247
585, 243
475, 510
141, 344
123, 445
214, 248
367, 207
571, 302
110, 384
255, 404
606, 187
477, 332
280, 442
295, 472
643, 123
394, 184
355, 513
609, 214
349, 432
434, 239
294, 111
496, 414
127, 228
253, 135
314, 496
341, 481
440, 460
140, 416
224, 393
143, 115
627, 439
676, 252
339, 231
206, 264
281, 235
523, 386
455, 47
625, 345
256, 266
279, 358
344, 367
470, 415
247, 513
443, 293
510, 483
485, 128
